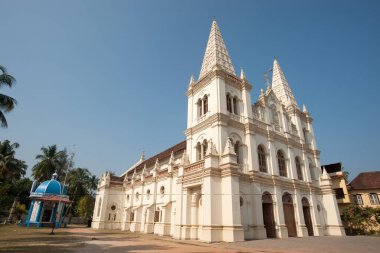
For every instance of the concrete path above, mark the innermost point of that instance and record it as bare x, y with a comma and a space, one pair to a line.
136, 242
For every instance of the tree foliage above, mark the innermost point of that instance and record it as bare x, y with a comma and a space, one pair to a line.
85, 206
81, 187
12, 170
7, 103
361, 219
49, 161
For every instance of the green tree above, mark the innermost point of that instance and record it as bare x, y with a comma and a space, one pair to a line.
85, 206
11, 168
7, 103
81, 187
13, 188
49, 161
360, 220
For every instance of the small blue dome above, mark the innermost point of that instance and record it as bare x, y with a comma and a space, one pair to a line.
51, 187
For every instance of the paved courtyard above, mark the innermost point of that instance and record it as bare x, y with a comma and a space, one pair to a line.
77, 239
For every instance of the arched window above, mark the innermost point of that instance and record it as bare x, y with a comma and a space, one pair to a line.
205, 104
229, 106
204, 149
262, 159
99, 205
199, 107
199, 151
299, 168
306, 135
312, 169
235, 104
281, 164
237, 151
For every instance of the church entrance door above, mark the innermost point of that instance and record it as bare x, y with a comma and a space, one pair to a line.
289, 215
307, 216
268, 215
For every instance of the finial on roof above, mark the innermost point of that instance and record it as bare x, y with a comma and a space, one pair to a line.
192, 80
211, 148
304, 109
54, 176
242, 74
142, 157
171, 159
229, 148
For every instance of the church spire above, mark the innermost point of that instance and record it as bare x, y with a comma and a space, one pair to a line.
281, 87
216, 55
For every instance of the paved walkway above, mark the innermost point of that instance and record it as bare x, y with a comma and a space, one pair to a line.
136, 242
86, 240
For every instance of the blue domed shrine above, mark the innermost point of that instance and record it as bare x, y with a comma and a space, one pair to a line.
48, 205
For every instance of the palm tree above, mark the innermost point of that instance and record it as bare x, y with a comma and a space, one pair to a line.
6, 103
49, 161
10, 168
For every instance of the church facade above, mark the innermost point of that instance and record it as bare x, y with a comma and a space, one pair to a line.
245, 171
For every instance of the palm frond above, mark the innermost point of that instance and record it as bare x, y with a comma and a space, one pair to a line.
3, 120
5, 78
7, 103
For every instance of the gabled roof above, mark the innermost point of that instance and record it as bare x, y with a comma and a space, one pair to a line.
366, 180
216, 55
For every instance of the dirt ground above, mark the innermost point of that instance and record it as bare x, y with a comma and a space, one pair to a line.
86, 240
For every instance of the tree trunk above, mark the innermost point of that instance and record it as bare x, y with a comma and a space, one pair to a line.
13, 210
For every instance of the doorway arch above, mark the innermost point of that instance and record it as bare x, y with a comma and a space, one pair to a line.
307, 216
290, 221
268, 215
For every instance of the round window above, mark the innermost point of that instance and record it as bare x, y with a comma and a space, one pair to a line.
113, 207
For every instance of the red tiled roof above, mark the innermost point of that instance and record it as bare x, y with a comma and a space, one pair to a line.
52, 198
366, 180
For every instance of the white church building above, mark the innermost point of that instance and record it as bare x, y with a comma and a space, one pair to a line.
245, 171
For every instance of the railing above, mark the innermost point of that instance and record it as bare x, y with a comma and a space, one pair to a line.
203, 117
294, 137
237, 117
260, 124
197, 166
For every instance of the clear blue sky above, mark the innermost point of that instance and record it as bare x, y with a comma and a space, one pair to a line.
110, 76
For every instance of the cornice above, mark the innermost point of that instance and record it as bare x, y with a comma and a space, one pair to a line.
229, 79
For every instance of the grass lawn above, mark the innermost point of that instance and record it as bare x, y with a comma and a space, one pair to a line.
21, 239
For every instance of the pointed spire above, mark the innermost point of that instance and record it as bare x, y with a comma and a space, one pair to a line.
142, 157
242, 74
281, 87
304, 109
216, 55
192, 81
325, 175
